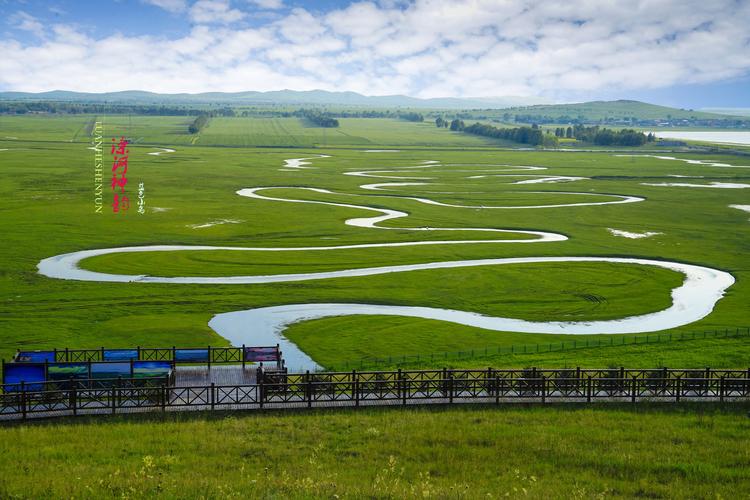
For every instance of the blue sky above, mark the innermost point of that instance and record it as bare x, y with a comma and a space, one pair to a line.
685, 53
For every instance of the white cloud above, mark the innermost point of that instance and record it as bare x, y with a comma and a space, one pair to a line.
214, 11
427, 48
168, 5
268, 4
26, 22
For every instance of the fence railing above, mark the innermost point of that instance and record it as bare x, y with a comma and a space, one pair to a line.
540, 348
336, 389
91, 383
209, 355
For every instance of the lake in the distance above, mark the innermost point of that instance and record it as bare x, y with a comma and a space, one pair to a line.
718, 137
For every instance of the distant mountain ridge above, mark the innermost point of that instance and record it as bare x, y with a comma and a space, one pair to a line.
511, 109
622, 109
317, 97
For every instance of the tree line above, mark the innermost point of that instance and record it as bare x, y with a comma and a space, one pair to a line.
198, 124
318, 118
74, 108
605, 136
412, 117
525, 135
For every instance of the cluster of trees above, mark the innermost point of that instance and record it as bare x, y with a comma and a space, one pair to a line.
457, 125
604, 136
608, 137
412, 117
74, 108
319, 119
198, 124
366, 113
625, 121
525, 135
564, 132
441, 123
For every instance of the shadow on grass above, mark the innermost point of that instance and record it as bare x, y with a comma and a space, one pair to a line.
664, 408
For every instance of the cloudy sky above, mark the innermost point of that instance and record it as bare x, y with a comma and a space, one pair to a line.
685, 52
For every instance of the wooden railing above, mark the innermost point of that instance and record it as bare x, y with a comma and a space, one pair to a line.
277, 389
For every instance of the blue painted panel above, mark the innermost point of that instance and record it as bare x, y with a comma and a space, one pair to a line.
120, 354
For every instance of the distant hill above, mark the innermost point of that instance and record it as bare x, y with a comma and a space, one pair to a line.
728, 111
503, 109
312, 97
608, 111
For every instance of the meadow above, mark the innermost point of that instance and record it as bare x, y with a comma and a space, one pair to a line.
651, 451
47, 205
46, 209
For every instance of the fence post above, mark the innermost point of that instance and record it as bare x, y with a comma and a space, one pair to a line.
113, 396
634, 389
163, 398
212, 398
497, 389
588, 389
355, 387
308, 388
450, 386
261, 392
209, 357
73, 395
721, 389
403, 386
544, 389
398, 384
23, 400
678, 388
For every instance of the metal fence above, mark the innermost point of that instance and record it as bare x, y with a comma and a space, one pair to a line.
186, 355
540, 348
277, 389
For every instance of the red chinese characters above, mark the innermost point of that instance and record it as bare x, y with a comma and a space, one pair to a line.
119, 174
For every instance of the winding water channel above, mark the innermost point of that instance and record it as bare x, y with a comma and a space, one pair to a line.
691, 301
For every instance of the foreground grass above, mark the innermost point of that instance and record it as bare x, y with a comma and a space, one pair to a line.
655, 451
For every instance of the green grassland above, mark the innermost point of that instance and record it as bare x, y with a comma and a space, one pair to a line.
46, 209
659, 451
238, 131
366, 132
59, 128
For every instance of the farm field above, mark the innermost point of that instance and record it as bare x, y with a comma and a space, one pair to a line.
366, 132
238, 131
